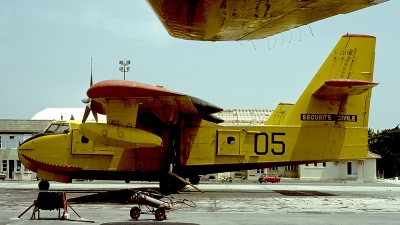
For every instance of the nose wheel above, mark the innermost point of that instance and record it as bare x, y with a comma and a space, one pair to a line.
44, 185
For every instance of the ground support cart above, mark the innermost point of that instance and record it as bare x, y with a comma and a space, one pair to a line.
156, 204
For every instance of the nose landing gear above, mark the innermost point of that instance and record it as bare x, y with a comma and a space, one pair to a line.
44, 185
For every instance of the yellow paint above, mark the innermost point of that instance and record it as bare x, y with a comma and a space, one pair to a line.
279, 114
119, 136
232, 20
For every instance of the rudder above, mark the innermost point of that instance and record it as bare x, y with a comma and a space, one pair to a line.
340, 92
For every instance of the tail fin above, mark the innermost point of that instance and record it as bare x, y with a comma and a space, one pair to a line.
340, 92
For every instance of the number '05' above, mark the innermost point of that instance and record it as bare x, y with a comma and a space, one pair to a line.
274, 136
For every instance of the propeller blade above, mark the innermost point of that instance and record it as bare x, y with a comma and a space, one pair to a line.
95, 115
91, 77
86, 114
89, 101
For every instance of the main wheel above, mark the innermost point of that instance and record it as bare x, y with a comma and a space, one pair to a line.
171, 185
194, 179
160, 214
135, 213
44, 185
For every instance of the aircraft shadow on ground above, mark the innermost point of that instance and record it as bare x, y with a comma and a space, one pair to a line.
303, 193
114, 196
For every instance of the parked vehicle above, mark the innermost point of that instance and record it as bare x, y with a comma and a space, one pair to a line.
3, 175
269, 178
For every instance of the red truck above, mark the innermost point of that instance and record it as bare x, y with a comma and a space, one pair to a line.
269, 178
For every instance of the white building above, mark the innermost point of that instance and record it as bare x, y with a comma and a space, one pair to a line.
13, 132
363, 170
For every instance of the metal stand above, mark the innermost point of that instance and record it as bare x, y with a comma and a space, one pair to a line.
47, 200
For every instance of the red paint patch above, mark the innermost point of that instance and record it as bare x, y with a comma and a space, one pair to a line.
126, 89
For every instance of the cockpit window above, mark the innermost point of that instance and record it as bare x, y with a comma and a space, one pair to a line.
57, 129
64, 129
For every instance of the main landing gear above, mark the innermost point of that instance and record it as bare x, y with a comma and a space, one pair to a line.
170, 185
173, 183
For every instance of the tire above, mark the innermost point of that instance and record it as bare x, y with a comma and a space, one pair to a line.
44, 185
160, 214
135, 213
171, 185
194, 179
127, 181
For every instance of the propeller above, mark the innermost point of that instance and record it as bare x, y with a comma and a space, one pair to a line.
88, 101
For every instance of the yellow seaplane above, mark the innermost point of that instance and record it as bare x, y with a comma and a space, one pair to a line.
234, 20
151, 131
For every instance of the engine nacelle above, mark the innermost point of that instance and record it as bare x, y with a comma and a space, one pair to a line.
119, 136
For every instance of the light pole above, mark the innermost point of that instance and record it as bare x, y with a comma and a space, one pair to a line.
124, 66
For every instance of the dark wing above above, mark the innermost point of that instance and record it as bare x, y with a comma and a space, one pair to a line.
230, 20
122, 100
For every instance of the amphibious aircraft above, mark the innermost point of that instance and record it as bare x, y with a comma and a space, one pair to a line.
151, 131
233, 20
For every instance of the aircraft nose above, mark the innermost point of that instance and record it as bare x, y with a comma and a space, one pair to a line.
27, 145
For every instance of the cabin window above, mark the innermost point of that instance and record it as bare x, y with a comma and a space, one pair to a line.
260, 170
84, 140
230, 140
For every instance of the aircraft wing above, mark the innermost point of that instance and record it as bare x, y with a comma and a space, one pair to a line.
121, 101
231, 20
337, 88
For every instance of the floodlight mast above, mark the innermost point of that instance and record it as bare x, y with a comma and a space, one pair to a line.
124, 66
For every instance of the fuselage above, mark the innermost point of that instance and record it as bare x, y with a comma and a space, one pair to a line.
192, 147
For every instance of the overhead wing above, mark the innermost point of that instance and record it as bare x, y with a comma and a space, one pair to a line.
337, 88
123, 99
229, 20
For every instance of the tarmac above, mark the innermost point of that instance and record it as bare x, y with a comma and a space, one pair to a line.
288, 202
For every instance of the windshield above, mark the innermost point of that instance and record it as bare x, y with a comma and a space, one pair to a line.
57, 129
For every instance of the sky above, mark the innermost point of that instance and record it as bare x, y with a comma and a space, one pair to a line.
46, 47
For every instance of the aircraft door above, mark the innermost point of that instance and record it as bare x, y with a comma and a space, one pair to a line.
80, 144
228, 142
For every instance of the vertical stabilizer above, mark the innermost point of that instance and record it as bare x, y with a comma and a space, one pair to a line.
340, 92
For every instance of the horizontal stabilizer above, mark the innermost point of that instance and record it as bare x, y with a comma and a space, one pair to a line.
337, 88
